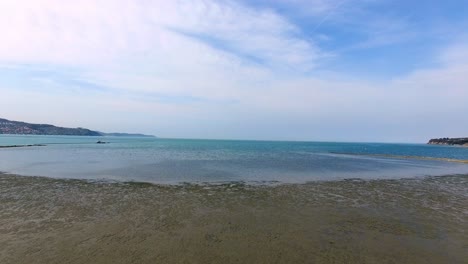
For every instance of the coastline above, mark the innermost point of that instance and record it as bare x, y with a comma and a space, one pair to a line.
460, 142
412, 220
449, 145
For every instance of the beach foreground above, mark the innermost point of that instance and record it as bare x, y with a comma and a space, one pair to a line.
44, 220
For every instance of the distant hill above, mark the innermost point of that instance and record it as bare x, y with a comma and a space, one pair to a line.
23, 128
449, 141
125, 135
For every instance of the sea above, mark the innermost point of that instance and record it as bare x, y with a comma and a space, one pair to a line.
176, 161
153, 200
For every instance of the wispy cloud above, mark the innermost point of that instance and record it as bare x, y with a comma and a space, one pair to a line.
221, 69
93, 32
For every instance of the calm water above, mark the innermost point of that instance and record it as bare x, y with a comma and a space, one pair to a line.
395, 215
213, 161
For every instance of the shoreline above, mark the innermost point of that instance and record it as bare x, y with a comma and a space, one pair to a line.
465, 145
403, 157
223, 184
48, 220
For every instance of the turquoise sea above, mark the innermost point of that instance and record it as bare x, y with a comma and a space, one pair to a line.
229, 201
173, 161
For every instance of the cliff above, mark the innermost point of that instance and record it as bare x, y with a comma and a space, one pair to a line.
449, 141
125, 135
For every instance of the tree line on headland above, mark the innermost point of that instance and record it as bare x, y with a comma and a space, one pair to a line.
449, 141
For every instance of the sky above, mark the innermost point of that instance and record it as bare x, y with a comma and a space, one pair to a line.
318, 70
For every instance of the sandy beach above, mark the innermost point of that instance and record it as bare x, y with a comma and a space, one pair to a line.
233, 131
44, 220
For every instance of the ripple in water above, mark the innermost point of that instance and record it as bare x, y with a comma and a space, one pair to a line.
419, 220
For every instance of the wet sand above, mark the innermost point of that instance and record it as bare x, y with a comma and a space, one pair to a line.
44, 220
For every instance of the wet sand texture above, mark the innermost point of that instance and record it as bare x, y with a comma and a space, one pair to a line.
46, 220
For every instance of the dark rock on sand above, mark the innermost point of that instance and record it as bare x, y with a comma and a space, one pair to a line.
21, 146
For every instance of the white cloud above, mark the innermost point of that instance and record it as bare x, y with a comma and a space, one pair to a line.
149, 45
93, 32
243, 67
456, 54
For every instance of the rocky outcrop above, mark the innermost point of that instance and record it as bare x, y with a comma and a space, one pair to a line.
21, 146
449, 141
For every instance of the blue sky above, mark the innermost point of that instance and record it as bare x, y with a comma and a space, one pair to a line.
334, 70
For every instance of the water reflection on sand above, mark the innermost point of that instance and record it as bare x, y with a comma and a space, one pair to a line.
45, 220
